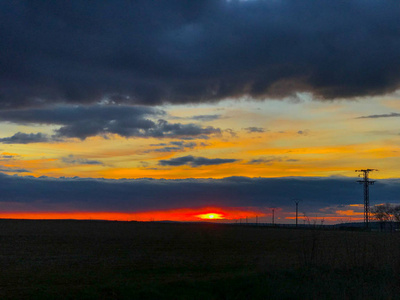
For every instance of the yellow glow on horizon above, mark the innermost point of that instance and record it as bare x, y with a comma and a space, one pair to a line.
211, 216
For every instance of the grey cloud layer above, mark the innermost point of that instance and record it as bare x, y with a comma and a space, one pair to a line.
147, 194
86, 121
192, 51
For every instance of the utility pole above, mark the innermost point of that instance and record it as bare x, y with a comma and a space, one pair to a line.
366, 182
273, 216
297, 210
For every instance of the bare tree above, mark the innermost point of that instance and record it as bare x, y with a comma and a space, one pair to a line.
396, 213
386, 213
382, 212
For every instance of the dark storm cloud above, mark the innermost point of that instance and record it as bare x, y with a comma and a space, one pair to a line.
195, 161
25, 138
157, 194
71, 114
86, 121
180, 51
380, 116
74, 160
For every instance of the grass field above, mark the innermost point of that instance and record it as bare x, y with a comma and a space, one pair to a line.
129, 260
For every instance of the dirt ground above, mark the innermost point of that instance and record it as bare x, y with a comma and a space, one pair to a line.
67, 259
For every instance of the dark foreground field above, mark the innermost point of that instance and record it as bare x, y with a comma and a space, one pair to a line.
127, 260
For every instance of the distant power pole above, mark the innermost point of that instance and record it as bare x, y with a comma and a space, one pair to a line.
297, 210
273, 216
366, 182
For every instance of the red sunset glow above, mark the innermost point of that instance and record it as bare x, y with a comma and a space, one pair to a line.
183, 215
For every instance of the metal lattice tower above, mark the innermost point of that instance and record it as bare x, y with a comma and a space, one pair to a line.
366, 182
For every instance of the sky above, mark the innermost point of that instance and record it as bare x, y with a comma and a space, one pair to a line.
198, 110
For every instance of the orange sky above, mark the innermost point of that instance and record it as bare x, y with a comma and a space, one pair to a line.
308, 138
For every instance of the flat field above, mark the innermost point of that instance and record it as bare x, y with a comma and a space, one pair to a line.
129, 260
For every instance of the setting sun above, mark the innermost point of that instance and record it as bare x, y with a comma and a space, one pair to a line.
211, 216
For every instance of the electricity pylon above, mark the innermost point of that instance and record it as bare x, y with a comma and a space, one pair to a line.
366, 182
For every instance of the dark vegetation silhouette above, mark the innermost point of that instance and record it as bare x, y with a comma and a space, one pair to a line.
388, 215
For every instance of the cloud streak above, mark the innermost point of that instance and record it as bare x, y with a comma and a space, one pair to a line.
205, 118
195, 161
254, 129
74, 160
196, 51
174, 146
391, 115
270, 160
13, 170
